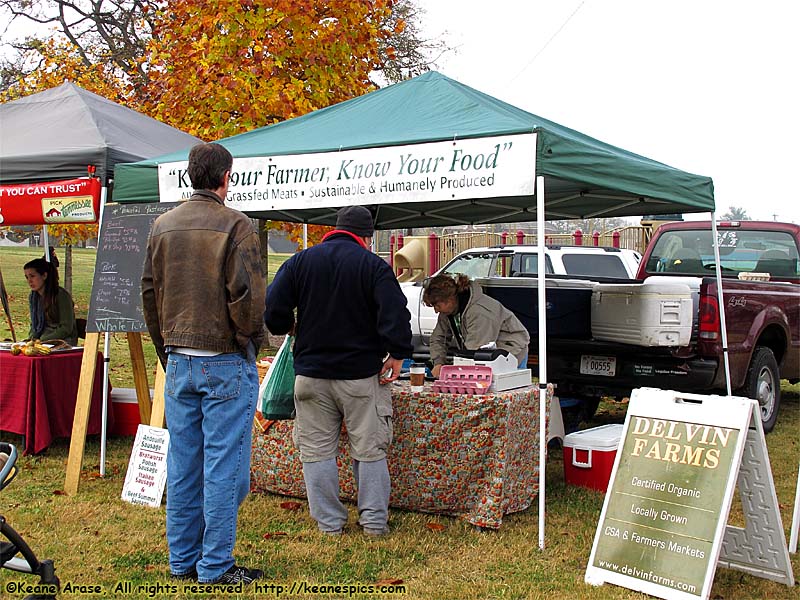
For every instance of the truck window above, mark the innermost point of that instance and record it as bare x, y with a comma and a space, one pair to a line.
741, 251
525, 265
472, 265
596, 265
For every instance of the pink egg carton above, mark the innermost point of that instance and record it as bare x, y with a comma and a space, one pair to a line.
463, 379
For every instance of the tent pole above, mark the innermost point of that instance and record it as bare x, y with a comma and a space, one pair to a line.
104, 420
106, 359
543, 404
720, 301
305, 236
46, 242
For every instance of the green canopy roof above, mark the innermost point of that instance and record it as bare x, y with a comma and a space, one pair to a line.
584, 177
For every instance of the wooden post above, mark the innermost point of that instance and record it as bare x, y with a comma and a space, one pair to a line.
157, 416
77, 443
140, 376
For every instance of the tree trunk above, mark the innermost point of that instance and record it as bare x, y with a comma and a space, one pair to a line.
68, 269
263, 238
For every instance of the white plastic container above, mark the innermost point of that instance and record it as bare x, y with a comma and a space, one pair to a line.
642, 314
589, 456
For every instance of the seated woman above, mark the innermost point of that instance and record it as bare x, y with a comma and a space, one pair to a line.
52, 311
469, 320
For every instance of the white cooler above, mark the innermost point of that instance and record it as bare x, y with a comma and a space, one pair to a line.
643, 314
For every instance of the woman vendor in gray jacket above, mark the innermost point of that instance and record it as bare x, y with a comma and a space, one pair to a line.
469, 320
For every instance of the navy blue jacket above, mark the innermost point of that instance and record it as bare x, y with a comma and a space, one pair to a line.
351, 311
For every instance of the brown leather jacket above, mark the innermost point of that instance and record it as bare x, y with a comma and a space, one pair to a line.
203, 284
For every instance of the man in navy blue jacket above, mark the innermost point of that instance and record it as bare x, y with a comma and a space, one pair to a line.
352, 333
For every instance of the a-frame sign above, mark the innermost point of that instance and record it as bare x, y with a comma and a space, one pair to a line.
115, 306
663, 528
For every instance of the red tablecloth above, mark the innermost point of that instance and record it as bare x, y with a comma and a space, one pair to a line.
474, 457
38, 395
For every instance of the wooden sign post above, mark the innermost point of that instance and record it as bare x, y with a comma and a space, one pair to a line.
115, 306
663, 529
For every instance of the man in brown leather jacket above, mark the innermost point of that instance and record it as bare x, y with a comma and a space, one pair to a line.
203, 290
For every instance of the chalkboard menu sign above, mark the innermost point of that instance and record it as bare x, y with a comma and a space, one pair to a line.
116, 302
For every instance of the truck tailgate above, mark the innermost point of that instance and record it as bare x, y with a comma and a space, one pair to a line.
596, 368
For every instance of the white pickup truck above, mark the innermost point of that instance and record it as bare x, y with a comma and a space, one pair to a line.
576, 262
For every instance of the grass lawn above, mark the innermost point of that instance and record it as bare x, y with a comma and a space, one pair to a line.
96, 539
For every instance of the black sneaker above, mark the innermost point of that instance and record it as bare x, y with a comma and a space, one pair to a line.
237, 574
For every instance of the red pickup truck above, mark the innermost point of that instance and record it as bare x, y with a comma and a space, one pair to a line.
761, 295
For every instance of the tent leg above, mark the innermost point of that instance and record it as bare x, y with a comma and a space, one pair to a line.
46, 242
104, 421
543, 405
721, 302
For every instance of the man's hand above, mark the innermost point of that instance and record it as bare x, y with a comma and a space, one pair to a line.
436, 370
390, 370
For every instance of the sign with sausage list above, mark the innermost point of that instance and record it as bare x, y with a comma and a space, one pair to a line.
147, 467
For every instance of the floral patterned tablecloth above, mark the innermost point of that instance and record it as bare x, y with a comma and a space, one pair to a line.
474, 457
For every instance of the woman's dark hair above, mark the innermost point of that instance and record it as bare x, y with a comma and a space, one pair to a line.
443, 287
53, 257
50, 295
207, 166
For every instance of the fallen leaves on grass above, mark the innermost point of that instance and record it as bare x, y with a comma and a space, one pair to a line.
290, 505
389, 581
274, 534
435, 526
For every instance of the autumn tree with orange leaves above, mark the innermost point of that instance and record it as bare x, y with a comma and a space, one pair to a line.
215, 69
247, 64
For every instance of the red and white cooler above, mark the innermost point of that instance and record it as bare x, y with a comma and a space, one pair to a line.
589, 456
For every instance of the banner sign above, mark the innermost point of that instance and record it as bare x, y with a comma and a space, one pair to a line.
489, 167
51, 202
664, 516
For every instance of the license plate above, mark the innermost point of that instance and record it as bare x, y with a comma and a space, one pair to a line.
598, 365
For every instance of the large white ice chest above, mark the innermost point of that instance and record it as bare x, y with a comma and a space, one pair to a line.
643, 314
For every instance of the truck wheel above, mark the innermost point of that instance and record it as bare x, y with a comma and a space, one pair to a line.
763, 383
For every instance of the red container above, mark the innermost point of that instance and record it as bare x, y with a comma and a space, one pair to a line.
126, 412
589, 456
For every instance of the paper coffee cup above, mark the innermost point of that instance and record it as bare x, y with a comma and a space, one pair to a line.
417, 377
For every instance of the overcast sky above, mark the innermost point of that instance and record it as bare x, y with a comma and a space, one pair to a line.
707, 86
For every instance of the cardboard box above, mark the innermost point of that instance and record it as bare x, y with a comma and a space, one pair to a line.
589, 456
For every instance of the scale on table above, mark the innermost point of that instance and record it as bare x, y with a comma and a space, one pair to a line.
505, 372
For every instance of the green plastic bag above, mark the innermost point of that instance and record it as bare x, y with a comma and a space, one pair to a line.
277, 389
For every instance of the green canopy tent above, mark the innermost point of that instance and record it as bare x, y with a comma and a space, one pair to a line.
585, 177
431, 152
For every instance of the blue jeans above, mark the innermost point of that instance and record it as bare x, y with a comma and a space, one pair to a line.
209, 407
